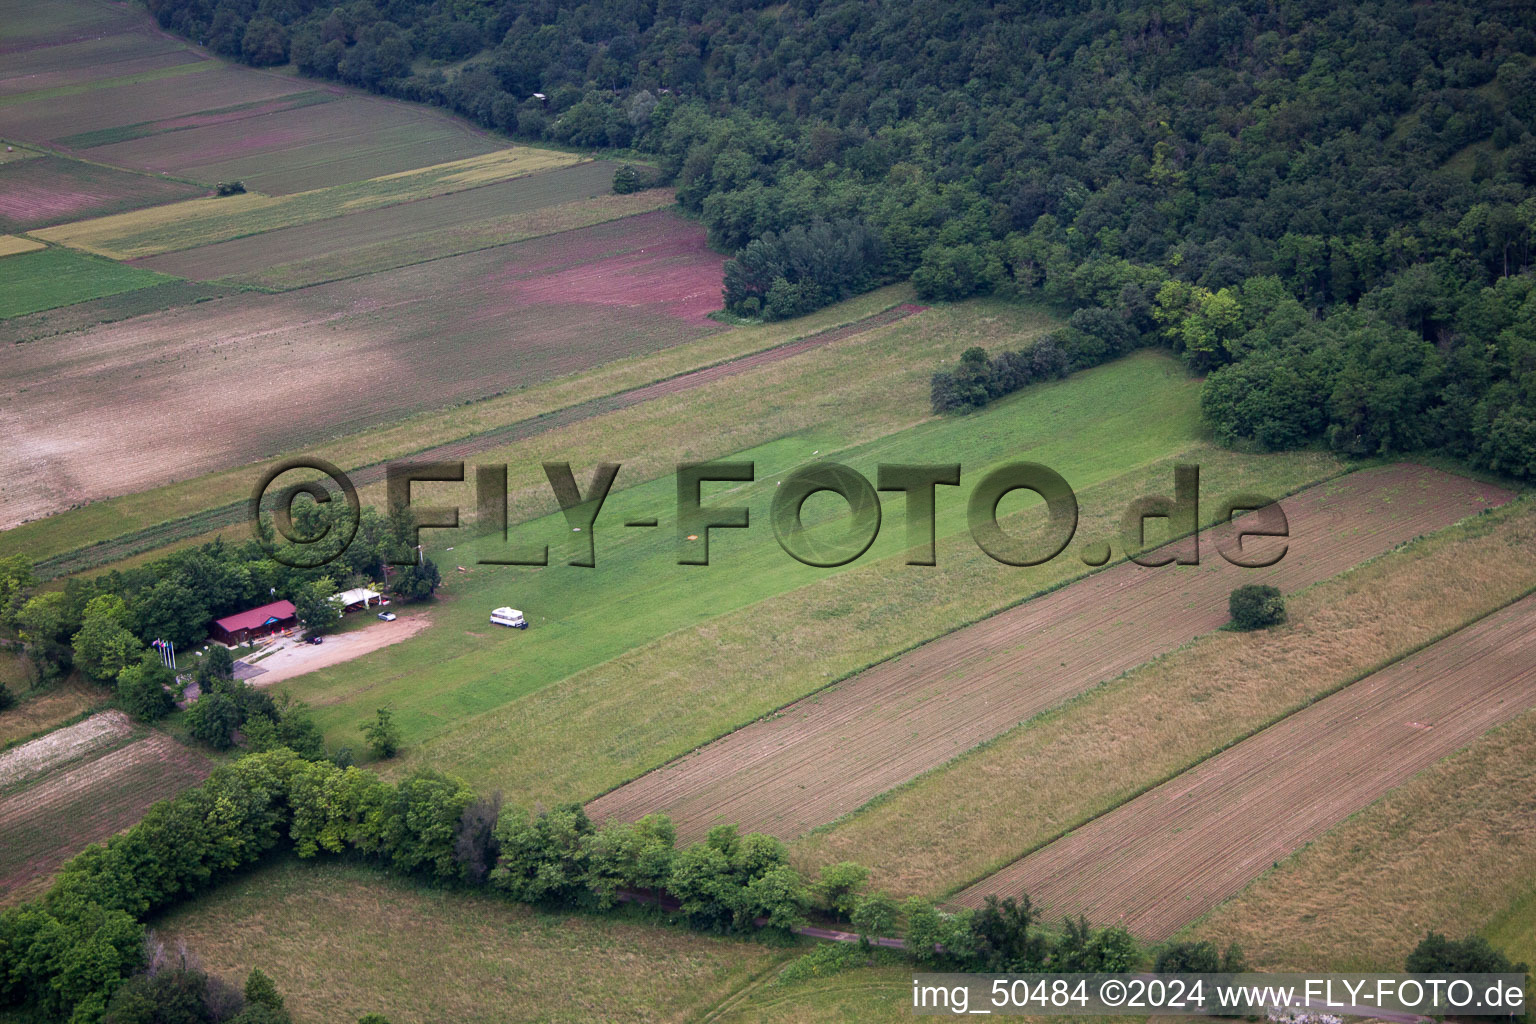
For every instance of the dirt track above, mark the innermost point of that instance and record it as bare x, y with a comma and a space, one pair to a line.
828, 754
301, 658
1167, 857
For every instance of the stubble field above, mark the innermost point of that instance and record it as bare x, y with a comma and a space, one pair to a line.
1057, 771
824, 757
1169, 856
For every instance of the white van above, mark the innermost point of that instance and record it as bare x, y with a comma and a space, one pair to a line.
508, 617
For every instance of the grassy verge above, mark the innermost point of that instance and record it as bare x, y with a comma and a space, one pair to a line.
341, 941
1000, 801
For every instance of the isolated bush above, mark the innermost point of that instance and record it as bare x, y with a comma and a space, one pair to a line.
1256, 606
626, 180
230, 188
382, 734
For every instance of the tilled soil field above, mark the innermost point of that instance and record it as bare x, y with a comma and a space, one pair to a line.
224, 382
50, 190
1166, 858
32, 760
47, 823
826, 755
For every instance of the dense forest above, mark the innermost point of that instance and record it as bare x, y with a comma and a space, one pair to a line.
1325, 208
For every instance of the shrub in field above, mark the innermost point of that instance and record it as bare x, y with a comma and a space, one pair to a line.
729, 881
630, 855
1081, 949
105, 645
1256, 606
213, 720
416, 582
543, 858
474, 838
230, 188
7, 698
1199, 958
260, 990
826, 959
626, 180
382, 734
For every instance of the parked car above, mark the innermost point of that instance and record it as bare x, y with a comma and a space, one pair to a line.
387, 616
315, 640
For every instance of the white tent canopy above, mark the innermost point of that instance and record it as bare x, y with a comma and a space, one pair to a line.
358, 595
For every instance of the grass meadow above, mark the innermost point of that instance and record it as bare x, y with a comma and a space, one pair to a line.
54, 277
341, 941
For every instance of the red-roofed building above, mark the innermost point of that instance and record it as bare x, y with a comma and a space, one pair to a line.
242, 627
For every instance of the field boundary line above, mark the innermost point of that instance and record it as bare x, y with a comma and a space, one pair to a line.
166, 531
1295, 709
1034, 595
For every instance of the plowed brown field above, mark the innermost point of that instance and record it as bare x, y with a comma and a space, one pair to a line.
197, 389
826, 755
52, 820
1167, 857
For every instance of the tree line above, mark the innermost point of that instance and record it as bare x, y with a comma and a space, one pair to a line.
1371, 165
104, 626
79, 951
